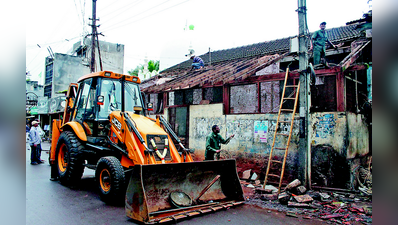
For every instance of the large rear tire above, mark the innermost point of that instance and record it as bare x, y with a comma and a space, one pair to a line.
69, 160
111, 180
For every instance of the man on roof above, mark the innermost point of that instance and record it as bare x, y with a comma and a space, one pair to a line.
318, 42
197, 62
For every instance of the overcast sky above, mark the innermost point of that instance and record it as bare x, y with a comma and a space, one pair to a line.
155, 29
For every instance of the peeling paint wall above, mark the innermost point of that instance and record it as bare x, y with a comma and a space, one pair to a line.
327, 129
197, 96
348, 135
244, 99
203, 117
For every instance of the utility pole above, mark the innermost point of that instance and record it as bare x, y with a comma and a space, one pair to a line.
304, 170
93, 37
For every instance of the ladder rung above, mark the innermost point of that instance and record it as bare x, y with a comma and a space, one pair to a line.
284, 121
273, 175
277, 161
287, 110
291, 86
280, 148
283, 134
290, 98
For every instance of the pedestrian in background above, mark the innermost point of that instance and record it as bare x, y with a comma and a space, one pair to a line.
213, 143
42, 134
27, 136
35, 143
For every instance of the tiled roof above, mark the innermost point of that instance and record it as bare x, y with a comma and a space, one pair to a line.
278, 46
233, 65
216, 74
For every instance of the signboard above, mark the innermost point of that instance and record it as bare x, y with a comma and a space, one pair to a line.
57, 104
260, 131
42, 105
31, 99
33, 110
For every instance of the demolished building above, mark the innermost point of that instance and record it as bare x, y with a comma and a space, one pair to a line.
239, 89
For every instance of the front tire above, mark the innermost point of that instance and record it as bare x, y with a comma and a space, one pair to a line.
69, 160
110, 179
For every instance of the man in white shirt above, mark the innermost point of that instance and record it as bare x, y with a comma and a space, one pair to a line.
35, 143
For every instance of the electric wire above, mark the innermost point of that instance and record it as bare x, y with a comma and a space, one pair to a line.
142, 12
125, 8
112, 28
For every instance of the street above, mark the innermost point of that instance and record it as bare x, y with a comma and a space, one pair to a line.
49, 202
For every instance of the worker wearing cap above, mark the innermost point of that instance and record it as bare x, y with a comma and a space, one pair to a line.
35, 142
197, 62
319, 39
213, 143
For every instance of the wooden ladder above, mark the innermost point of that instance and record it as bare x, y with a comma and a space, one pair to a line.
277, 134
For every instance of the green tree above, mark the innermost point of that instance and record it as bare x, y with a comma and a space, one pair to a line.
153, 65
135, 71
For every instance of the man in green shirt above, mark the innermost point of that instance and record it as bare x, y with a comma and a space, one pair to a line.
213, 143
319, 39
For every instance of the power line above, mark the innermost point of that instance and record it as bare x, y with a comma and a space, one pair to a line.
146, 16
121, 8
145, 10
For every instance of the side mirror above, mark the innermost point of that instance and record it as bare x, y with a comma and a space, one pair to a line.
100, 100
149, 106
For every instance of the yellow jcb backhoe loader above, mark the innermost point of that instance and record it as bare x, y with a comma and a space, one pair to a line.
105, 128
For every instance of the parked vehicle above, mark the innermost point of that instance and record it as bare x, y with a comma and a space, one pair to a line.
105, 127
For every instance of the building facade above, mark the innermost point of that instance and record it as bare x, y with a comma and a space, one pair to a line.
240, 90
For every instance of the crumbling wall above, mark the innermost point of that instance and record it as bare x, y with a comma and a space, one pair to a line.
348, 133
254, 136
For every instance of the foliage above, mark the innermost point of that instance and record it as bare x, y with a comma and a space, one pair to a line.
135, 71
152, 66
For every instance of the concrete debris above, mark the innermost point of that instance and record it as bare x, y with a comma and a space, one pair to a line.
254, 176
257, 182
250, 186
333, 206
293, 184
300, 190
283, 198
268, 189
298, 205
324, 196
266, 197
246, 174
303, 198
271, 188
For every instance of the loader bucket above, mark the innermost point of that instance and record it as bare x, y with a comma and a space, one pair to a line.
166, 192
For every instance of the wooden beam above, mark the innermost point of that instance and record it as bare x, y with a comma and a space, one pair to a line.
340, 93
226, 93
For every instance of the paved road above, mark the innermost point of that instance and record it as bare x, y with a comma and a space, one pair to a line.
48, 202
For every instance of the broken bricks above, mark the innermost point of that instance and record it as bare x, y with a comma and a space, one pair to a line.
246, 174
303, 198
283, 198
300, 190
293, 184
266, 197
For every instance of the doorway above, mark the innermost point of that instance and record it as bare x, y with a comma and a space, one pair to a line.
179, 121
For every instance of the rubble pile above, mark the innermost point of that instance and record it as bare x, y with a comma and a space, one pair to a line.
335, 207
